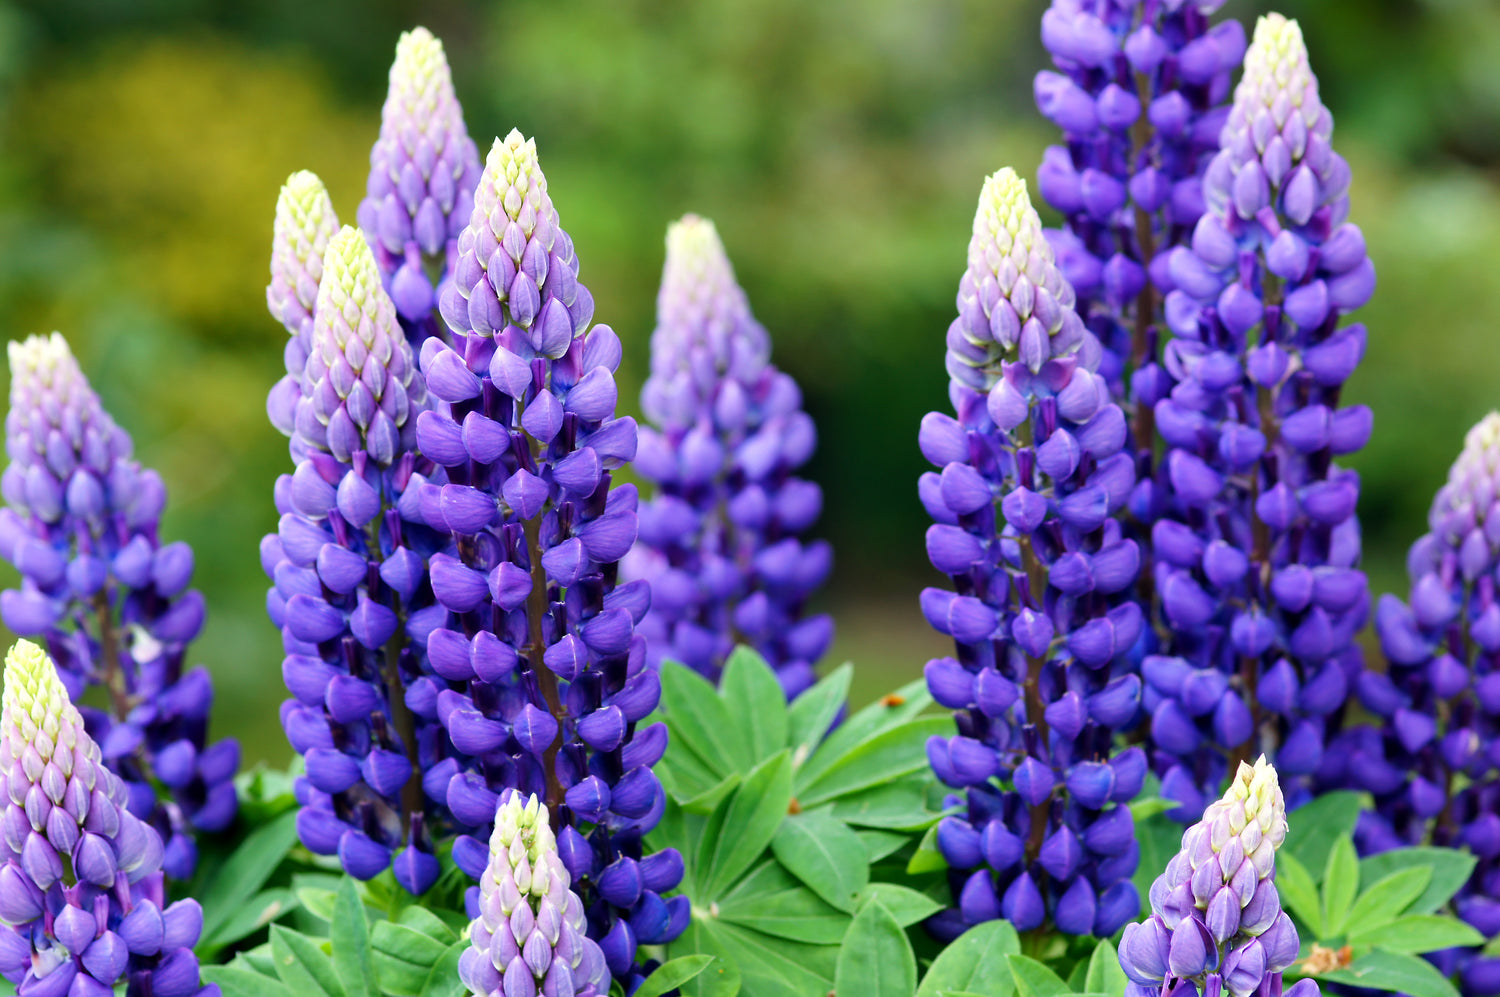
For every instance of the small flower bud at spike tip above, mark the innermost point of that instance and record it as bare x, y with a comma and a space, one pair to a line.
305, 222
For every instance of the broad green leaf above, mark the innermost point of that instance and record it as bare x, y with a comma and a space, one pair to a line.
1418, 933
404, 956
1146, 807
673, 974
1395, 971
1298, 893
825, 854
883, 714
813, 712
742, 826
1078, 980
876, 959
899, 806
880, 844
1450, 870
697, 715
974, 962
771, 900
776, 967
1313, 827
349, 932
683, 774
257, 912
443, 980
705, 803
244, 873
756, 703
906, 905
1033, 979
236, 982
1105, 975
927, 857
886, 757
1159, 838
315, 900
302, 965
1340, 885
722, 979
431, 924
1388, 898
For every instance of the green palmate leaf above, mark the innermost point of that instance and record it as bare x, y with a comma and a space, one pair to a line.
975, 962
235, 981
812, 713
404, 954
776, 967
883, 714
302, 964
701, 720
706, 802
906, 905
673, 973
772, 901
1395, 971
1313, 827
880, 844
876, 959
1388, 898
825, 854
258, 960
1078, 980
759, 704
741, 828
1105, 975
1450, 870
1298, 893
257, 912
722, 979
349, 932
1159, 838
1340, 885
927, 857
682, 773
899, 806
316, 900
1033, 979
885, 757
442, 980
244, 873
1419, 933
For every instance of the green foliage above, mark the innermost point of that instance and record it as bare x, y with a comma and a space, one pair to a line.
975, 962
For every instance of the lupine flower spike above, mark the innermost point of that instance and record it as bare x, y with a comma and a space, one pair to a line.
1216, 923
1031, 471
108, 598
544, 679
528, 937
351, 594
719, 539
305, 222
1258, 547
81, 898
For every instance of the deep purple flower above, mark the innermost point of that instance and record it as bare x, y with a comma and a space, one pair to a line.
719, 540
108, 598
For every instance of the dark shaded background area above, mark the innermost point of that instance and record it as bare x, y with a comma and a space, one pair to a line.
839, 144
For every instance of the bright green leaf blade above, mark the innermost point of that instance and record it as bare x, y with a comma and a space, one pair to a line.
1033, 979
349, 932
906, 905
302, 965
1418, 933
1298, 894
777, 967
315, 900
1078, 980
880, 844
431, 924
886, 757
1395, 971
750, 819
975, 962
683, 774
404, 957
771, 900
236, 982
756, 703
244, 873
722, 979
1145, 807
1159, 838
825, 854
899, 806
1450, 870
876, 959
1313, 827
443, 980
672, 974
883, 714
1388, 899
1340, 885
813, 712
1105, 975
697, 715
927, 857
257, 912
706, 802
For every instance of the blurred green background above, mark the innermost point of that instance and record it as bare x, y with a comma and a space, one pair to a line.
839, 144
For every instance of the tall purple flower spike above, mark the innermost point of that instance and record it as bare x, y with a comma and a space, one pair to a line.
546, 679
1216, 924
82, 903
719, 541
1257, 551
1432, 764
423, 171
108, 598
1031, 472
351, 594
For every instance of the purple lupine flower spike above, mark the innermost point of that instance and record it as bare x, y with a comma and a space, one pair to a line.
530, 924
1257, 549
546, 677
719, 539
423, 170
108, 598
350, 595
1216, 923
1031, 472
82, 904
305, 221
1431, 765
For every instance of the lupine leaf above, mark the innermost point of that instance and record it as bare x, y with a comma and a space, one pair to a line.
1395, 971
349, 932
927, 857
404, 956
697, 715
302, 965
1033, 979
245, 872
1313, 827
742, 826
706, 802
236, 982
1298, 893
315, 900
759, 704
776, 967
876, 959
825, 854
672, 974
883, 758
1105, 975
906, 905
1145, 807
1418, 933
683, 774
899, 806
812, 713
257, 912
1450, 870
883, 714
1388, 898
771, 900
1340, 884
881, 844
723, 978
1159, 838
443, 980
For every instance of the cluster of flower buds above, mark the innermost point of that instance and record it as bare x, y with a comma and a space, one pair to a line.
1216, 921
718, 542
1140, 97
528, 937
1433, 764
1031, 472
1257, 545
540, 678
423, 171
351, 597
82, 903
107, 597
